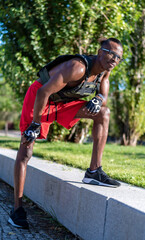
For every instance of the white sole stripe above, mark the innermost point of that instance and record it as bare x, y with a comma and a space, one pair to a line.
95, 182
12, 223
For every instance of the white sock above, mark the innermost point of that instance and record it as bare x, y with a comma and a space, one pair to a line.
93, 171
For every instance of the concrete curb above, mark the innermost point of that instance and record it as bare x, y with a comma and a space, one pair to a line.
91, 212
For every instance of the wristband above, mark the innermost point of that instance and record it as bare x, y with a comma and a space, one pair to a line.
38, 124
101, 96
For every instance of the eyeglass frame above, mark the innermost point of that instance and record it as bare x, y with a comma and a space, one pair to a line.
114, 55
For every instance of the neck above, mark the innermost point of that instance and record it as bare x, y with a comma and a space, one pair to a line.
97, 67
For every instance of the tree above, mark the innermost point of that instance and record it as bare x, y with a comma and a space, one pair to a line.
36, 31
9, 106
129, 103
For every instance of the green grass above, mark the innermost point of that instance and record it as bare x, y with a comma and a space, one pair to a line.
123, 163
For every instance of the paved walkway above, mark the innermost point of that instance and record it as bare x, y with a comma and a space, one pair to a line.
42, 226
11, 133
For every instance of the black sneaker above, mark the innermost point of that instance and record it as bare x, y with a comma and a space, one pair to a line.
99, 178
18, 218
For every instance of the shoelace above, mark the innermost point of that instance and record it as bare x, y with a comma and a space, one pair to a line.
103, 174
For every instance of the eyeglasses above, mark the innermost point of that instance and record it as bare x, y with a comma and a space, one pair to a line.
113, 55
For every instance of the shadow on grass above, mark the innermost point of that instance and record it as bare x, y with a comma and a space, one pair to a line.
9, 140
133, 155
10, 143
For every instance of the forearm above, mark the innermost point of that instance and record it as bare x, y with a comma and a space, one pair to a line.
40, 103
104, 101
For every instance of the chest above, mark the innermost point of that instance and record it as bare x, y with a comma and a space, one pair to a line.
76, 83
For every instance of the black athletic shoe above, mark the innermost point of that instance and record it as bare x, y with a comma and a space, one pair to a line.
18, 218
99, 178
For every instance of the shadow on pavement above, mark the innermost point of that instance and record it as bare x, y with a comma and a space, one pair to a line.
42, 226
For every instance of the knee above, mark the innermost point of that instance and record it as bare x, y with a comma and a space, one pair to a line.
24, 154
104, 115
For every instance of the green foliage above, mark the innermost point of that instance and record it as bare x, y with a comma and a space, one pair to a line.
128, 87
57, 132
9, 106
2, 124
136, 114
16, 123
35, 32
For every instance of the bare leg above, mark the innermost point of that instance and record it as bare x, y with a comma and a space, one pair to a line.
99, 133
23, 156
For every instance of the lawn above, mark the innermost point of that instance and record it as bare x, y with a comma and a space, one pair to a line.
123, 163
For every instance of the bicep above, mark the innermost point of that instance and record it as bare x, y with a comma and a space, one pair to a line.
55, 84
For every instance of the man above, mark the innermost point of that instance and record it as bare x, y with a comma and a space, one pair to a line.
56, 96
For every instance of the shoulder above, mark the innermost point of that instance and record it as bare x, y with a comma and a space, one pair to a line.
74, 68
76, 64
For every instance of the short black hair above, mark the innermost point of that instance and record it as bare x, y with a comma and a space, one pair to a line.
105, 42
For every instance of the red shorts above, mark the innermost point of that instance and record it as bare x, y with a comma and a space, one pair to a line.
65, 112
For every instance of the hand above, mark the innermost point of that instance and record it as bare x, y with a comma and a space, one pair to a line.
32, 132
95, 104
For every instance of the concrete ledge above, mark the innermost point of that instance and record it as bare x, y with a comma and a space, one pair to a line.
124, 222
91, 212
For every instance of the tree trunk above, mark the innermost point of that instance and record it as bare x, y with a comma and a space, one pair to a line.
133, 140
80, 135
124, 140
6, 128
79, 132
129, 140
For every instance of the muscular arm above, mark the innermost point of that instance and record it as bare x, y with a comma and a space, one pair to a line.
104, 87
72, 70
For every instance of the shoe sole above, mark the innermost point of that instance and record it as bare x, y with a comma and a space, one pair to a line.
15, 225
95, 182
